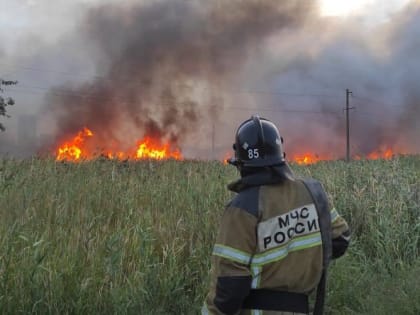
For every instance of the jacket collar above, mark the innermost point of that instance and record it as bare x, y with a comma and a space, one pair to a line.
267, 176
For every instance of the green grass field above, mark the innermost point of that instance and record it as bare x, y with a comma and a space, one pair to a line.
109, 237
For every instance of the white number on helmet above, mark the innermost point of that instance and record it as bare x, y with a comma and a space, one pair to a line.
253, 154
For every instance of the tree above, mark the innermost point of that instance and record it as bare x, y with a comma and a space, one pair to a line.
4, 102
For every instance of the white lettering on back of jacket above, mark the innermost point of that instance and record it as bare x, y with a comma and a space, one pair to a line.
279, 230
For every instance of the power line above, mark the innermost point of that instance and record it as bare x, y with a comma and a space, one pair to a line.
228, 91
63, 92
366, 100
34, 90
283, 93
374, 117
262, 109
282, 110
238, 90
59, 91
34, 69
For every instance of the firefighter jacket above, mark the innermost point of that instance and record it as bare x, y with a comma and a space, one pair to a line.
268, 254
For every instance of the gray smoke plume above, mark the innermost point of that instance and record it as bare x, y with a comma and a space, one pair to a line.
164, 65
191, 71
314, 65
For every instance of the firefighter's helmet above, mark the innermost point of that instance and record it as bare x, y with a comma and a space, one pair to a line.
258, 143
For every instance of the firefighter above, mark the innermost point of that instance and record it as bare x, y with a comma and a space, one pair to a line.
276, 236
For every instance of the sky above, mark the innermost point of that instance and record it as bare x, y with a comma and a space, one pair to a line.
41, 47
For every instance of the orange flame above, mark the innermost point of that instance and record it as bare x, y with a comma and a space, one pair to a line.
307, 158
311, 158
226, 157
383, 153
380, 154
148, 148
72, 150
77, 149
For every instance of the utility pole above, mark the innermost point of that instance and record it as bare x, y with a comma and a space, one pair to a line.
212, 140
348, 93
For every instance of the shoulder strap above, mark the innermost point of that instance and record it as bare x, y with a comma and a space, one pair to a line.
321, 204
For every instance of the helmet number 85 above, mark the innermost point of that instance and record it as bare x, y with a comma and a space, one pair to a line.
253, 154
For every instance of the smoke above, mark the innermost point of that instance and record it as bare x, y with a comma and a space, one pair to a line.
165, 64
314, 65
190, 72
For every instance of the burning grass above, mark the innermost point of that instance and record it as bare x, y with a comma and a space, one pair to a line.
81, 148
85, 146
135, 237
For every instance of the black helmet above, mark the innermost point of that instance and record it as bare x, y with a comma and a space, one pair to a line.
258, 143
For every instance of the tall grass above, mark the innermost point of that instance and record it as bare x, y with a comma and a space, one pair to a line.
109, 237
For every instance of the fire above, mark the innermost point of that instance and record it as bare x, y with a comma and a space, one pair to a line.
387, 154
311, 158
77, 149
148, 149
226, 157
72, 150
306, 158
116, 155
383, 153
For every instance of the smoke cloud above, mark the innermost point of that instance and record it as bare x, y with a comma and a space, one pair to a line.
190, 72
165, 65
